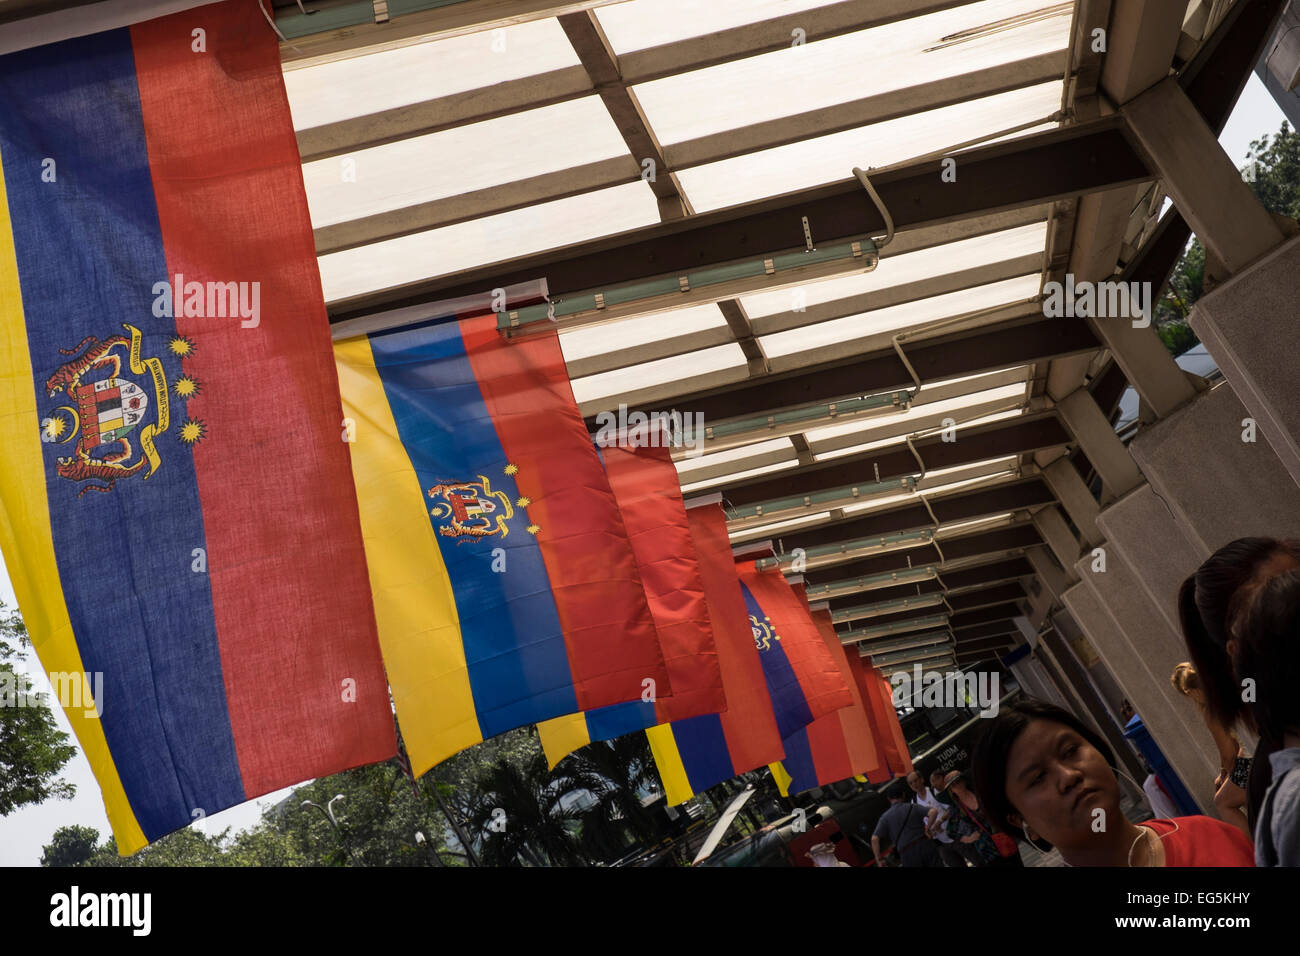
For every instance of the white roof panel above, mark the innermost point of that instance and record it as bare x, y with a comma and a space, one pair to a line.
386, 79
845, 68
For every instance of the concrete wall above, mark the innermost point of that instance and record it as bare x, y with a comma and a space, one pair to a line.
1248, 325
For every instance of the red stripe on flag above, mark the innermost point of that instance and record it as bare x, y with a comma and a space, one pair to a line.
824, 687
290, 593
891, 719
878, 738
884, 719
854, 737
645, 485
610, 636
748, 723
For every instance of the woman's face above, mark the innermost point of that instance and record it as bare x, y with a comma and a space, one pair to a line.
1057, 781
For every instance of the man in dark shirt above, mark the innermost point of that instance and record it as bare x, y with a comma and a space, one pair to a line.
903, 826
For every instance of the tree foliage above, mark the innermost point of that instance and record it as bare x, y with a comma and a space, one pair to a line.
33, 751
70, 846
514, 811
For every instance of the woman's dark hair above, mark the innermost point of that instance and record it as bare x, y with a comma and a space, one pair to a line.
1208, 601
1268, 652
993, 749
1211, 606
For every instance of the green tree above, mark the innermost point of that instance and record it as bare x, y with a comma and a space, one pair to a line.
33, 750
615, 773
186, 847
70, 846
1273, 172
516, 816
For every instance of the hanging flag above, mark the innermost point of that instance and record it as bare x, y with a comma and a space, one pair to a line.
838, 745
802, 677
879, 701
645, 484
177, 511
505, 587
694, 754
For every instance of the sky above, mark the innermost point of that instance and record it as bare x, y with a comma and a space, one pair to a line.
24, 832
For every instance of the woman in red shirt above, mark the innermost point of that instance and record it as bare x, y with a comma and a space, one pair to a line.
1041, 770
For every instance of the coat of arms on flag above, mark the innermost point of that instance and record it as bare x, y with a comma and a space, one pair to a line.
104, 412
471, 509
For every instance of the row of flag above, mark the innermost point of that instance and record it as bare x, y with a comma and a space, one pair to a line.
256, 535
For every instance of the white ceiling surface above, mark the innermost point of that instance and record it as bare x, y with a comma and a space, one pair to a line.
388, 79
791, 324
549, 140
842, 69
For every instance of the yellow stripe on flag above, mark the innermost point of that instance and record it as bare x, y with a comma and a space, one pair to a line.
419, 629
672, 772
28, 541
782, 778
561, 736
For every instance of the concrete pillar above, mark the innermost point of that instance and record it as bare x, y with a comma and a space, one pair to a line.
1206, 187
1184, 738
1068, 487
1096, 711
1036, 682
1149, 536
1217, 486
1053, 529
1103, 681
1248, 325
1047, 571
1086, 421
1147, 364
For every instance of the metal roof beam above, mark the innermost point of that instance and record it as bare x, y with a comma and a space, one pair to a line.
1023, 172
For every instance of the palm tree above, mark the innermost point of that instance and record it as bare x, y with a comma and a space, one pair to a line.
516, 817
613, 772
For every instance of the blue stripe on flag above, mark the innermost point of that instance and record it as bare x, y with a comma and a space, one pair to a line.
788, 701
798, 762
606, 723
89, 252
702, 745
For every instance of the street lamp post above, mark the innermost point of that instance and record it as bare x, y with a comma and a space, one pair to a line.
327, 811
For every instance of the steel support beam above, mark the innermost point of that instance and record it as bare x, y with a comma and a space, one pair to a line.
1028, 171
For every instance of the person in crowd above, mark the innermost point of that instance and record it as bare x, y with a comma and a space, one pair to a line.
1209, 603
1264, 645
902, 828
971, 827
1042, 772
935, 812
947, 824
1230, 784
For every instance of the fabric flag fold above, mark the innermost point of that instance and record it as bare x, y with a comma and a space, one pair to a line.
505, 587
645, 485
694, 754
886, 729
177, 510
802, 677
838, 745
